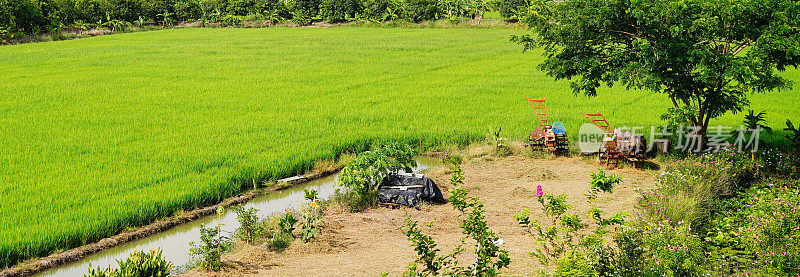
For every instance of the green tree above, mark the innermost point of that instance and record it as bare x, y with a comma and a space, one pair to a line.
705, 55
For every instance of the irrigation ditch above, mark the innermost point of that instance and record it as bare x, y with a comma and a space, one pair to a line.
172, 235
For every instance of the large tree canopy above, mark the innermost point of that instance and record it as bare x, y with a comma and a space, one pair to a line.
706, 55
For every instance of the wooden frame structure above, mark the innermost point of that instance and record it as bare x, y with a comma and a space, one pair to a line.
616, 146
543, 136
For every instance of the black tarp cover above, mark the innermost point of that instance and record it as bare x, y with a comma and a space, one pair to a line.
408, 190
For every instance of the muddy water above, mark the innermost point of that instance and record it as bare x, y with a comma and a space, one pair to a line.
175, 242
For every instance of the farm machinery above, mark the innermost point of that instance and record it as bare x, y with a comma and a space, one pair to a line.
617, 145
552, 137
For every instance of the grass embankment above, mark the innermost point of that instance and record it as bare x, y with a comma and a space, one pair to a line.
105, 133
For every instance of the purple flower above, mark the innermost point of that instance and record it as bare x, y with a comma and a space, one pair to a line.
539, 191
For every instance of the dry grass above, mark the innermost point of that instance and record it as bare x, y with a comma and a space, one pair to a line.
369, 243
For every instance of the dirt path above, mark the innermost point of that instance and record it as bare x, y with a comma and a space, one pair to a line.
369, 243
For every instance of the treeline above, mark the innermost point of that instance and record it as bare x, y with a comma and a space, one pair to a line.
20, 17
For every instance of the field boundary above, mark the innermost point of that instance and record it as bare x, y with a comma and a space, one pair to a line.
56, 259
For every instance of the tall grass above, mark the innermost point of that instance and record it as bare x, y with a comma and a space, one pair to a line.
105, 133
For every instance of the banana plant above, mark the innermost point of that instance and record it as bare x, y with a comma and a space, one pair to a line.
166, 18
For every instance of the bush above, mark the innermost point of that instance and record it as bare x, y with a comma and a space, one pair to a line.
93, 11
511, 8
304, 11
759, 231
573, 265
381, 10
363, 175
188, 10
421, 10
28, 16
335, 11
251, 229
490, 258
138, 264
127, 10
569, 239
208, 253
690, 190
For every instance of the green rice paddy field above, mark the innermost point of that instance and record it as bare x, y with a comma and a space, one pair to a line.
101, 134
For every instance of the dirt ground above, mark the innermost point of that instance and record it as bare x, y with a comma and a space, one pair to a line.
369, 243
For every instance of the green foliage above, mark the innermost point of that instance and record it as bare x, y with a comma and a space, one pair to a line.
138, 264
499, 142
421, 10
363, 175
311, 221
573, 265
208, 253
793, 136
569, 239
760, 231
754, 121
512, 9
250, 228
335, 11
689, 190
490, 259
602, 183
304, 11
381, 10
187, 10
706, 56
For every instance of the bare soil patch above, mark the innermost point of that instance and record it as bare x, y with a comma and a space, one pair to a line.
369, 243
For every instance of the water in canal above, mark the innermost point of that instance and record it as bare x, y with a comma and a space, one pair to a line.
175, 242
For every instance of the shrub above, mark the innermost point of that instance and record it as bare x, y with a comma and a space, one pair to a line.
139, 263
304, 11
335, 11
511, 8
421, 10
573, 265
760, 231
381, 10
188, 10
28, 16
127, 10
93, 11
280, 240
208, 253
250, 227
363, 175
569, 239
490, 259
691, 189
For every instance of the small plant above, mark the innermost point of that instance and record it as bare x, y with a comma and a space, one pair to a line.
139, 263
287, 221
208, 253
490, 259
793, 136
568, 241
499, 143
311, 222
602, 183
310, 194
250, 228
311, 217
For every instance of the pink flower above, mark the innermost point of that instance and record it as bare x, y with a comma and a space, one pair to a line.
539, 191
